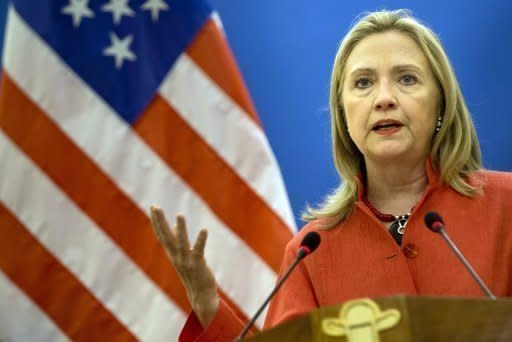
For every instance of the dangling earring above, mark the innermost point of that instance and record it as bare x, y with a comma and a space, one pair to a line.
439, 123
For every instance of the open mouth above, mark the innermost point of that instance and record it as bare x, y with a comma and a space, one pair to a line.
386, 125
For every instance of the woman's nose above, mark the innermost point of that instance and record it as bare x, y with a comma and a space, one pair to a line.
385, 99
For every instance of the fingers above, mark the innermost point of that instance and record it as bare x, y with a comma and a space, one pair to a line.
161, 229
181, 233
200, 242
176, 241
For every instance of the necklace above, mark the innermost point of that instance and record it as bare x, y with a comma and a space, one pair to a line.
399, 221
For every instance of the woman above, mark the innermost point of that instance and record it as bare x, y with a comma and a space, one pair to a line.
404, 144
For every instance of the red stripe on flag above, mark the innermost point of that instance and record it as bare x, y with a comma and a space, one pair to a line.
53, 288
88, 187
220, 187
211, 52
46, 144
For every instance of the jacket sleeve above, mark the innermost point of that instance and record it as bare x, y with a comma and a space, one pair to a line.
225, 326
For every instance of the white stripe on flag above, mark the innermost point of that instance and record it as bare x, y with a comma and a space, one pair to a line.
216, 18
85, 249
229, 130
21, 319
129, 162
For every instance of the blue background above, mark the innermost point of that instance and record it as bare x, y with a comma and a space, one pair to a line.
285, 50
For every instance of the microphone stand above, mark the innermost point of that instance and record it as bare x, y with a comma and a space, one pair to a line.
276, 288
475, 276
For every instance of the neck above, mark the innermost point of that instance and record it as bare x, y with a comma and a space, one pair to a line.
395, 187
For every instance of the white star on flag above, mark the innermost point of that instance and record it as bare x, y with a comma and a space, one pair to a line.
118, 8
120, 49
78, 9
155, 6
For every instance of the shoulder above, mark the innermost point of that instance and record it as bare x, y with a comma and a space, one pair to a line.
319, 226
496, 187
311, 226
297, 239
496, 181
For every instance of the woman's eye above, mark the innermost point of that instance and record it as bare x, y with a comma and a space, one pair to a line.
408, 80
363, 83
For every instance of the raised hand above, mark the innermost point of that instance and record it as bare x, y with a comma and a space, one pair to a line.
196, 276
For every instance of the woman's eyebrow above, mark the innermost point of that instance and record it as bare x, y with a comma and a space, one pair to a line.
358, 71
401, 67
398, 67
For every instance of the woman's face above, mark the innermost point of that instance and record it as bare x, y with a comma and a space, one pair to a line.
390, 98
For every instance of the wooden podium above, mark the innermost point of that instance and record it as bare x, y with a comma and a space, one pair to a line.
401, 318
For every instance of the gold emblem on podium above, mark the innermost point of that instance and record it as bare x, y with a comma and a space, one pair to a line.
361, 320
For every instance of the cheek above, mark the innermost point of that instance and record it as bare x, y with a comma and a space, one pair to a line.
422, 112
354, 124
356, 118
356, 114
424, 126
356, 130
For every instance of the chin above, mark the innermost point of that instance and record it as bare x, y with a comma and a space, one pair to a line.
389, 153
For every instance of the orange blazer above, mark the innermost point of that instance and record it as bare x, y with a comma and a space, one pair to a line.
359, 257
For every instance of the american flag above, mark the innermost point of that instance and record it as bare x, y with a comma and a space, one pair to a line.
108, 107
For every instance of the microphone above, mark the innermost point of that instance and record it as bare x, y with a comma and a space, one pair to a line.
435, 223
308, 245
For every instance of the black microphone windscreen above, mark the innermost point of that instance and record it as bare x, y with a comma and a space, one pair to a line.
432, 217
311, 241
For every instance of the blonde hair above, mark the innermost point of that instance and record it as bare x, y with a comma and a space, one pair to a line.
455, 149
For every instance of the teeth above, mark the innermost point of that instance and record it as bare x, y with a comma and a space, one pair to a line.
386, 126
